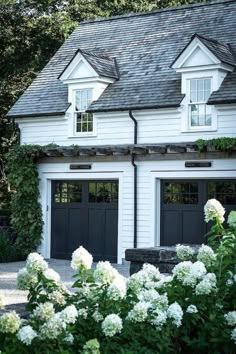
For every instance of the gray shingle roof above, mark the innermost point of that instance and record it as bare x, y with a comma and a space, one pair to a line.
144, 46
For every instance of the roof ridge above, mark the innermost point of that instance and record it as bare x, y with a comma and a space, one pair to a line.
150, 13
96, 55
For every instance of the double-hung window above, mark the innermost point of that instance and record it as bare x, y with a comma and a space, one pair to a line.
83, 119
199, 113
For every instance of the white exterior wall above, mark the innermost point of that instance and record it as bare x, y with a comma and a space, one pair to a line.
156, 126
150, 174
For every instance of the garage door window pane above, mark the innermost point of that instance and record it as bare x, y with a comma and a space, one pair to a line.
224, 192
180, 193
103, 192
68, 192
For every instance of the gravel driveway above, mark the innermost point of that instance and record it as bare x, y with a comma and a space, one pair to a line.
8, 274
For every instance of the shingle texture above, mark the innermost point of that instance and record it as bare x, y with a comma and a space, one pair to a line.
104, 66
144, 46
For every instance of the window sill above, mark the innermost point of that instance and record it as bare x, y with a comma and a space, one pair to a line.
83, 135
199, 130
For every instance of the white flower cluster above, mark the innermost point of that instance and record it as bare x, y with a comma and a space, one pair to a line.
26, 334
148, 276
230, 318
184, 253
69, 338
117, 289
50, 274
35, 263
27, 277
175, 313
192, 309
57, 298
189, 273
81, 258
152, 297
112, 325
91, 347
83, 313
139, 313
232, 219
105, 273
97, 316
44, 311
56, 325
214, 210
10, 322
206, 255
2, 301
232, 279
206, 285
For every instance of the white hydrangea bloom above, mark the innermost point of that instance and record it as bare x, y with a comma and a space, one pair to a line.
69, 314
35, 263
229, 282
10, 322
50, 274
52, 328
57, 298
214, 210
175, 313
105, 273
159, 318
233, 335
92, 346
117, 289
81, 257
154, 298
232, 219
97, 316
2, 301
26, 280
207, 285
44, 311
26, 334
112, 325
69, 338
148, 276
230, 318
189, 273
206, 255
184, 253
192, 309
139, 313
83, 313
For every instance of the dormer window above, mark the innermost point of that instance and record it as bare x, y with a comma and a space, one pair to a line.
83, 119
199, 113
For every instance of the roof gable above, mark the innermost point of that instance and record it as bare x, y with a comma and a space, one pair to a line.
201, 51
85, 65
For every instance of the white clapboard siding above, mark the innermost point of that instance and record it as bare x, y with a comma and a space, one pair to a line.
154, 126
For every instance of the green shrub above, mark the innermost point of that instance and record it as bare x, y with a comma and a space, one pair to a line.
8, 252
191, 311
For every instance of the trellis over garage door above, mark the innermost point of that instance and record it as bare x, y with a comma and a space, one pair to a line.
182, 203
85, 213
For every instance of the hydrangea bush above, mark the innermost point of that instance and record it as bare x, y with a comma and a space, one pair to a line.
191, 311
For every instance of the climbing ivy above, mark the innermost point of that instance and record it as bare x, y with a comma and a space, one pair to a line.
219, 144
26, 212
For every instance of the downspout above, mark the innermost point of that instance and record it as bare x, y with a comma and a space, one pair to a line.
135, 176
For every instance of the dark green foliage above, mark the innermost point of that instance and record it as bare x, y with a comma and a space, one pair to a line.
26, 213
8, 252
219, 144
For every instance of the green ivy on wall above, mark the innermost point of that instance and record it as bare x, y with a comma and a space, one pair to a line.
26, 212
220, 144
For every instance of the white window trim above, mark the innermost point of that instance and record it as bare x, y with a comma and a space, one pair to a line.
185, 123
82, 134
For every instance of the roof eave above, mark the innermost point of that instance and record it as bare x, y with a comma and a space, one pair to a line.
136, 108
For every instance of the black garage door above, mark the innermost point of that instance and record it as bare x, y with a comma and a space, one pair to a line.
182, 203
85, 213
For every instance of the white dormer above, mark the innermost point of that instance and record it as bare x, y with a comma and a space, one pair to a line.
203, 64
87, 76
